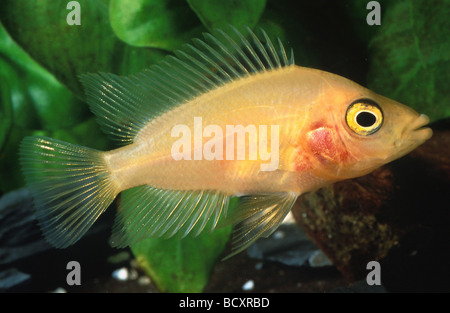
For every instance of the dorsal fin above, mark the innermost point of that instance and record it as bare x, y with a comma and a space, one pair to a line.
123, 105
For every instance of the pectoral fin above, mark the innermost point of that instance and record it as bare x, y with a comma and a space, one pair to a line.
258, 216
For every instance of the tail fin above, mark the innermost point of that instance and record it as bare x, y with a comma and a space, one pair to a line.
71, 187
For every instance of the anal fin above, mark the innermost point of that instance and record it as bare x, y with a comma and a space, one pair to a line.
258, 216
147, 212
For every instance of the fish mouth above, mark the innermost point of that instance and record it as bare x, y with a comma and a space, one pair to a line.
415, 134
418, 130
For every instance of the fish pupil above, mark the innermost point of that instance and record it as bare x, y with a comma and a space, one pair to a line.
366, 119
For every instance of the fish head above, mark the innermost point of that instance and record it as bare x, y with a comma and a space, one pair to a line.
358, 130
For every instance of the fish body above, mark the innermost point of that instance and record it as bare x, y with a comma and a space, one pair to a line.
221, 120
313, 144
262, 99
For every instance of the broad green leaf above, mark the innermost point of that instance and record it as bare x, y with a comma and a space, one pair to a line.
11, 176
410, 59
181, 265
87, 133
32, 100
219, 13
67, 51
38, 100
164, 24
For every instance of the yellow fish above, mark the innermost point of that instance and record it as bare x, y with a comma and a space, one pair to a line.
228, 116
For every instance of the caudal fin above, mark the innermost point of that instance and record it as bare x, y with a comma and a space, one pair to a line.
71, 187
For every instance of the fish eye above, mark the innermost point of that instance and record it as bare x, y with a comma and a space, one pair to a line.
364, 117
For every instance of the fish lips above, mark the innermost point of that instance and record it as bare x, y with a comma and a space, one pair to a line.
418, 130
412, 136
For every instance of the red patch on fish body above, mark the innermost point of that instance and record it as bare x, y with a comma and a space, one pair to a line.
326, 146
321, 143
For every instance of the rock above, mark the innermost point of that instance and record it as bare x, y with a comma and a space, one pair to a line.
398, 215
249, 285
318, 259
288, 245
20, 236
29, 263
11, 278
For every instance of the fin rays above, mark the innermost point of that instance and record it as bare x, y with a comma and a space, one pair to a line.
70, 185
123, 105
258, 216
150, 212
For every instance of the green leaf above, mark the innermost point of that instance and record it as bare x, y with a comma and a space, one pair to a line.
87, 133
11, 177
219, 13
38, 99
410, 60
181, 265
41, 28
34, 102
164, 24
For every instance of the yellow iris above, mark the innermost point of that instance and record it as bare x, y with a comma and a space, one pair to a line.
364, 117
